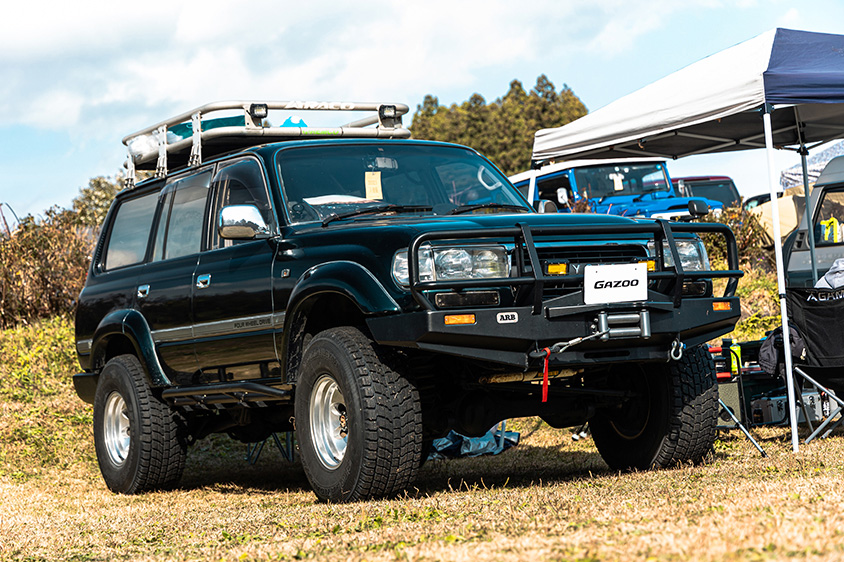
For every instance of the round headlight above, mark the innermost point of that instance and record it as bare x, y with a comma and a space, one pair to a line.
454, 263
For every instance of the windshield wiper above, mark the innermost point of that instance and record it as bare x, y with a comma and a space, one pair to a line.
388, 207
470, 208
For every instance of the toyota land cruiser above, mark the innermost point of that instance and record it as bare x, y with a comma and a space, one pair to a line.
372, 292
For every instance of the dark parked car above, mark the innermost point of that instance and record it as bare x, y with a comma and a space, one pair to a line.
719, 188
372, 293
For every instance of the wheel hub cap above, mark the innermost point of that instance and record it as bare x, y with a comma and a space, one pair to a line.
329, 423
116, 429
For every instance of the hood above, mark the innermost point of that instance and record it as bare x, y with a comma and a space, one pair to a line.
651, 204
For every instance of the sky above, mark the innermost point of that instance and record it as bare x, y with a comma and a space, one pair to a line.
75, 78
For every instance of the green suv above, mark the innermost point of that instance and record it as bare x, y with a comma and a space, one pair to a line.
373, 292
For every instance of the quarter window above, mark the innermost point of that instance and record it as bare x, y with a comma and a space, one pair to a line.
127, 242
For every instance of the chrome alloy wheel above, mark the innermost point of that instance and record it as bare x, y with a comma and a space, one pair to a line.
329, 423
117, 432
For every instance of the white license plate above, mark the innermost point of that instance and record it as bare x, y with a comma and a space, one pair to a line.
615, 283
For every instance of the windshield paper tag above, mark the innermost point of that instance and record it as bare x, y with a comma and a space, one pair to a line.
373, 185
615, 283
617, 181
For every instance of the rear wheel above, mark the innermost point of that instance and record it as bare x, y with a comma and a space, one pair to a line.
138, 438
671, 420
358, 422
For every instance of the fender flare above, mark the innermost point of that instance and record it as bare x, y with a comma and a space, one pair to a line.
131, 324
346, 278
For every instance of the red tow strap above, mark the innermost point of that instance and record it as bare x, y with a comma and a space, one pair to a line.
545, 376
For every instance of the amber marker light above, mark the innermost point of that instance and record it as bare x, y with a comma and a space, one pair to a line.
651, 264
721, 305
455, 319
558, 268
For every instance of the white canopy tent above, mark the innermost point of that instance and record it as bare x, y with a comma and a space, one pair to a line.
781, 89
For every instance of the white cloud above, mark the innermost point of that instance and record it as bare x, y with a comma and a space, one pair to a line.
100, 56
102, 59
790, 19
54, 109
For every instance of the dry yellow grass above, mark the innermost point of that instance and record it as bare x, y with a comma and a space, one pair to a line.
548, 499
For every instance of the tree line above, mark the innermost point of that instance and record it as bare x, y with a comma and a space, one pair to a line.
503, 129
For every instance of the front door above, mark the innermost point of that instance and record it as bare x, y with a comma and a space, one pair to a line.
232, 293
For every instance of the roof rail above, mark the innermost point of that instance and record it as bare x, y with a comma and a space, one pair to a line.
185, 137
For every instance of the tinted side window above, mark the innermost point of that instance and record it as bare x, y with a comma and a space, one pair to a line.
182, 217
240, 183
127, 242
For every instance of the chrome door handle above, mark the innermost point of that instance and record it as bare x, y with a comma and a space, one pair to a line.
143, 290
202, 281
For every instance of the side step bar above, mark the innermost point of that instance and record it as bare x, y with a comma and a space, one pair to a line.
218, 395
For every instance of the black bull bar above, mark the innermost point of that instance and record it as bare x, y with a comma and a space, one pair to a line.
530, 271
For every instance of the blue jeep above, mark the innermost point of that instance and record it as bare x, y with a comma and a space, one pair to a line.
630, 188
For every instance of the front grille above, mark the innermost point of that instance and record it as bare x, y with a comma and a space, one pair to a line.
578, 257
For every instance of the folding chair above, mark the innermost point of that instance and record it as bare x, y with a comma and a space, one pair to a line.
732, 413
818, 315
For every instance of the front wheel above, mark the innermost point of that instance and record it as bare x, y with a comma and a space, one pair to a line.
671, 419
138, 438
358, 422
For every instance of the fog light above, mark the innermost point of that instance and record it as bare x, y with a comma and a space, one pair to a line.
386, 112
697, 288
466, 299
651, 264
259, 110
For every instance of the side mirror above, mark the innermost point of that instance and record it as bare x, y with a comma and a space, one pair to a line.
697, 208
545, 206
563, 196
242, 222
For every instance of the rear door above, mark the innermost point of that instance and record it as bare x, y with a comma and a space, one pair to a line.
166, 281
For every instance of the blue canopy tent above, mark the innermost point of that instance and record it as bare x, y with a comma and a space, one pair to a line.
782, 89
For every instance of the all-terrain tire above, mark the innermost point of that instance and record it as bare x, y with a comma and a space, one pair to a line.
139, 439
358, 421
672, 421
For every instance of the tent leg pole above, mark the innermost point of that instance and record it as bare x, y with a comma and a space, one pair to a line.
810, 232
789, 378
742, 428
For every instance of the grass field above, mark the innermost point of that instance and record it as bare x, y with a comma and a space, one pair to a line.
548, 499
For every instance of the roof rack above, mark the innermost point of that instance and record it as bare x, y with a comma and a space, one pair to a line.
184, 138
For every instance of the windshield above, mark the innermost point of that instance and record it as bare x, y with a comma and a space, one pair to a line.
621, 179
723, 191
320, 181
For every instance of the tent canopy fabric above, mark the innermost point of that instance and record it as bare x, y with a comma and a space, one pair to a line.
715, 104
